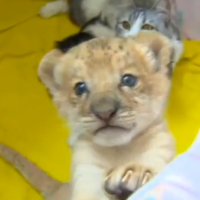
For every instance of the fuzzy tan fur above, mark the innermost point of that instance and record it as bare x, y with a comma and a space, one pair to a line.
138, 145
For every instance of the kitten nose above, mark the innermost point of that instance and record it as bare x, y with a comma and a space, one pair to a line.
105, 108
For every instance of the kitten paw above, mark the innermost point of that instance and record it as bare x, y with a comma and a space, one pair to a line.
123, 181
53, 8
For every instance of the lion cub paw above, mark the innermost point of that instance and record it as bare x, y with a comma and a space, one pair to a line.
123, 181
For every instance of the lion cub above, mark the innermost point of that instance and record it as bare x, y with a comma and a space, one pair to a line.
113, 91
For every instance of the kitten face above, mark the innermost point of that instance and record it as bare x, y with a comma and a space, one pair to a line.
132, 21
110, 89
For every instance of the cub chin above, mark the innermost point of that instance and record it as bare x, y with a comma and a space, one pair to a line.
112, 91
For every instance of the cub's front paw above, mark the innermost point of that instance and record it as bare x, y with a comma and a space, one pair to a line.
123, 181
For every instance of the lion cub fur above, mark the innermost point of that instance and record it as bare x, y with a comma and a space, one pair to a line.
125, 152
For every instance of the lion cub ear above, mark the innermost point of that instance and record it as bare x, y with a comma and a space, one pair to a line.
47, 67
162, 49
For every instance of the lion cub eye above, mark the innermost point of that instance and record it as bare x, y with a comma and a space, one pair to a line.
129, 80
80, 88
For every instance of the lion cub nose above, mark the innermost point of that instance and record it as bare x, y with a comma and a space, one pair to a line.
105, 108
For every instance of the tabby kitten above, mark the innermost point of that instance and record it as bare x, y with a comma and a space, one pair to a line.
132, 21
126, 18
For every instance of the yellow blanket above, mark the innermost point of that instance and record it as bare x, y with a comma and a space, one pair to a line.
29, 121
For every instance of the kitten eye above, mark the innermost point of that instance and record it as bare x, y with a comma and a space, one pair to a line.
129, 80
126, 25
147, 27
80, 88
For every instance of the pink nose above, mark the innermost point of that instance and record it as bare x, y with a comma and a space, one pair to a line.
106, 115
105, 108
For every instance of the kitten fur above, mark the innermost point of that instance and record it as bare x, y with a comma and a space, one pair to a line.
159, 19
82, 11
137, 13
92, 29
107, 89
102, 24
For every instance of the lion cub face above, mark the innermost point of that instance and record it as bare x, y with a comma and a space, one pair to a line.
110, 89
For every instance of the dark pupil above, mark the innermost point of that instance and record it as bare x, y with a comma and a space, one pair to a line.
147, 27
80, 88
129, 80
126, 25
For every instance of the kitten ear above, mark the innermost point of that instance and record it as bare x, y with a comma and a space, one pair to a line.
47, 67
161, 49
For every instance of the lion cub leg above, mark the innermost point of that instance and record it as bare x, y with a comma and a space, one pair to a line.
87, 183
